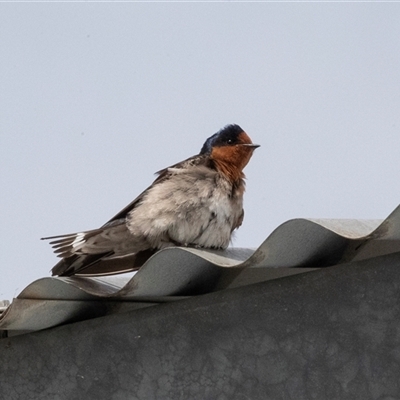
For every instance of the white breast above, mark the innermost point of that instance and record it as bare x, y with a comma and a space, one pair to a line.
192, 207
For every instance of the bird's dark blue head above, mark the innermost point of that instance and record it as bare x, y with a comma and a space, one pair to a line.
229, 151
227, 136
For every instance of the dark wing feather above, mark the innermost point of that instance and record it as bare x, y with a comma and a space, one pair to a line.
163, 174
98, 264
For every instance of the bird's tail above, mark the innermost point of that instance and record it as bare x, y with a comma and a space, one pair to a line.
112, 238
109, 249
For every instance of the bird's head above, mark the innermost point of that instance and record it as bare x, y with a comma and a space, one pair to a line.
231, 149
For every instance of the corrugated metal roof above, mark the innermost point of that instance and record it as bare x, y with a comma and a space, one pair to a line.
328, 334
297, 246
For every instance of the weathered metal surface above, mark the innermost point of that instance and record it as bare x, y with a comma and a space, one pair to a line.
50, 302
328, 334
294, 247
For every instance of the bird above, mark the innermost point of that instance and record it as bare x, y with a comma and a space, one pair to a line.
197, 202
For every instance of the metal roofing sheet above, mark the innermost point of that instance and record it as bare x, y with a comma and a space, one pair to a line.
294, 247
328, 334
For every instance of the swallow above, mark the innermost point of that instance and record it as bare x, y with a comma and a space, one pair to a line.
196, 202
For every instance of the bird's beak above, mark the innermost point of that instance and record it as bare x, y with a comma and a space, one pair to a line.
254, 146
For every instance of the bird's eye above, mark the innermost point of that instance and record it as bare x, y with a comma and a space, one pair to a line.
230, 141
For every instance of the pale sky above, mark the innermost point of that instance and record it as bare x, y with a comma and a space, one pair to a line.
96, 97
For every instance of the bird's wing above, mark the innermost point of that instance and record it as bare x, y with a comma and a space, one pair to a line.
239, 221
99, 251
162, 175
